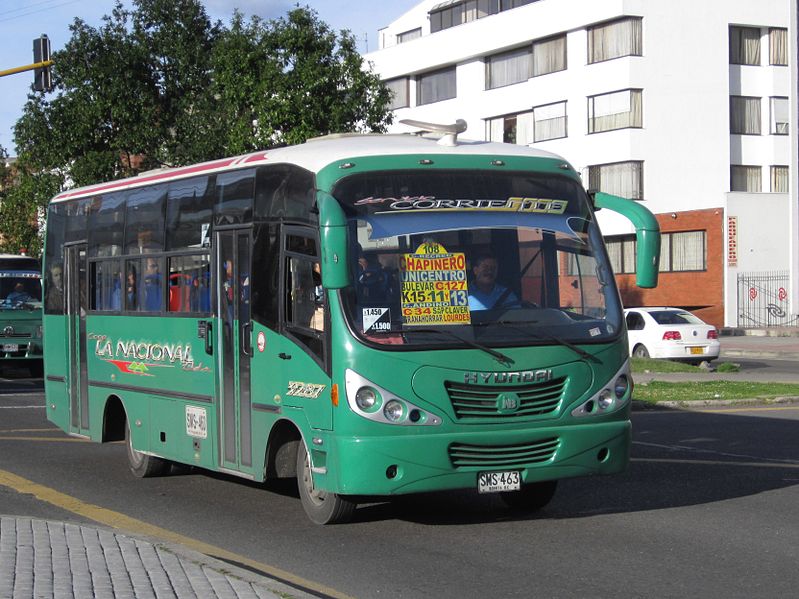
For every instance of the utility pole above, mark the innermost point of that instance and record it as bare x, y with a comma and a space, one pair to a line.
42, 78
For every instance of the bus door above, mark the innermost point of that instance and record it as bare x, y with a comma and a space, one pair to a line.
234, 341
76, 307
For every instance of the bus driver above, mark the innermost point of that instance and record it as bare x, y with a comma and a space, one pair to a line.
484, 291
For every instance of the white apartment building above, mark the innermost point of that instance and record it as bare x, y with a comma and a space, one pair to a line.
681, 104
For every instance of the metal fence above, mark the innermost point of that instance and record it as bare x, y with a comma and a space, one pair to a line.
763, 300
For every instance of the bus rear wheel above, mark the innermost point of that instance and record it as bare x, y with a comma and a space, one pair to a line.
531, 497
141, 464
322, 507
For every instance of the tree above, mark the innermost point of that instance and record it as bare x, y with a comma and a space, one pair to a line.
160, 85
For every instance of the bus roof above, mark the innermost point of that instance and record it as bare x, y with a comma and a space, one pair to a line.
315, 154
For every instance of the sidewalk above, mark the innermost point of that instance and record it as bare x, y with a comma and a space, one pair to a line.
48, 559
775, 344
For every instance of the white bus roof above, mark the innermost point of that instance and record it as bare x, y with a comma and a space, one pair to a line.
315, 154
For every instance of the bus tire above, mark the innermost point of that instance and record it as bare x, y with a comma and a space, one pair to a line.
321, 507
141, 464
531, 497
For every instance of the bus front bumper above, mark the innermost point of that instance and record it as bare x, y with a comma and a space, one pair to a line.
397, 465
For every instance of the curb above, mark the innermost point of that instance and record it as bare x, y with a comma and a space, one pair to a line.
748, 353
638, 405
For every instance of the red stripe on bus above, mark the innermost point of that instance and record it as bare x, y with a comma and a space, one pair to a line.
124, 182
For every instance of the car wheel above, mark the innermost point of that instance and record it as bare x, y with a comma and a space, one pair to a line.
141, 464
640, 351
322, 507
531, 497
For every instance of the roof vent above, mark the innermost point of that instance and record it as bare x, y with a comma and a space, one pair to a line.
449, 133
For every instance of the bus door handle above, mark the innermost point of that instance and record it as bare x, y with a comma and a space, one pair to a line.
246, 346
209, 344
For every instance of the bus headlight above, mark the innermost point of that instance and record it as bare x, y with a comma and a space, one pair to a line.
613, 395
605, 399
367, 399
621, 386
394, 410
378, 404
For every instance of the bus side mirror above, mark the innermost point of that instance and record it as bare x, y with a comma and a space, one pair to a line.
647, 235
333, 236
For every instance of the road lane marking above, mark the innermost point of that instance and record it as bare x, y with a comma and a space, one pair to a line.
122, 522
59, 440
690, 449
30, 430
717, 463
21, 407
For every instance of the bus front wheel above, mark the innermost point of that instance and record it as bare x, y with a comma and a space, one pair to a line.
322, 507
141, 464
531, 497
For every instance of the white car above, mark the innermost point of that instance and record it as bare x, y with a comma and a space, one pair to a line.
670, 333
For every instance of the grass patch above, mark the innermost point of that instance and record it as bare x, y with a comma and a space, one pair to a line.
653, 365
641, 365
656, 391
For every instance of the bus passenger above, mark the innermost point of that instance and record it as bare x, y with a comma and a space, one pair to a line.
484, 291
55, 290
152, 286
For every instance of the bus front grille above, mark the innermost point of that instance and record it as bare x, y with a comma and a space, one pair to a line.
505, 401
502, 456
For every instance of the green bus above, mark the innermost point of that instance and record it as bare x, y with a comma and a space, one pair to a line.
374, 314
21, 312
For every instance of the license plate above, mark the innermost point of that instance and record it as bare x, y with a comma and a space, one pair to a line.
495, 482
9, 347
696, 350
196, 422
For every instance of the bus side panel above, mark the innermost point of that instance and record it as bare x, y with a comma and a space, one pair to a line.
160, 369
55, 374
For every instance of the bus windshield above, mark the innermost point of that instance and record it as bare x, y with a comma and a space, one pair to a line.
20, 290
444, 258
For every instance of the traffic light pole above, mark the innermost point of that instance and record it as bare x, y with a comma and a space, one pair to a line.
29, 67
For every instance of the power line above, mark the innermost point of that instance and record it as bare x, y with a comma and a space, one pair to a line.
38, 10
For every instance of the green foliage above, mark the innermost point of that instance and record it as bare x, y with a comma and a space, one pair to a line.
160, 85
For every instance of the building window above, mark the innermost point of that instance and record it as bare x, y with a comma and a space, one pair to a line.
436, 86
625, 179
456, 12
549, 121
745, 178
399, 92
621, 251
779, 179
615, 39
508, 68
687, 251
745, 45
744, 115
511, 129
617, 110
778, 46
549, 56
407, 36
778, 119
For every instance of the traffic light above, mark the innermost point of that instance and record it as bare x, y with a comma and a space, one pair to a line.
42, 79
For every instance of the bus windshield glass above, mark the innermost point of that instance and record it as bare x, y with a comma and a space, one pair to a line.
20, 290
500, 259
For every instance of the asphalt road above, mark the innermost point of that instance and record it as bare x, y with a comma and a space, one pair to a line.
707, 508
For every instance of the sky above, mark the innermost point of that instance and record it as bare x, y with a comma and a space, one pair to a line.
21, 21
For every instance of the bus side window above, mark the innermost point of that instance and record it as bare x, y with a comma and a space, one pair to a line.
304, 299
189, 289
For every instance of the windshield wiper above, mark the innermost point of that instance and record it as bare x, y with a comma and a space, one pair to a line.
546, 337
502, 358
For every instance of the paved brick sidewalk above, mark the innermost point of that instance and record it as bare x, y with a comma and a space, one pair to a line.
56, 560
